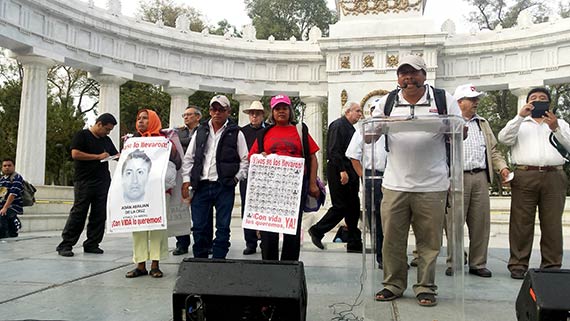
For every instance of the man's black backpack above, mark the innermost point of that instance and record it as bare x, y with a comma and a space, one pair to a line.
439, 96
440, 103
28, 192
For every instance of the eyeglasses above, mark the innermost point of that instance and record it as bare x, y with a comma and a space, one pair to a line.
217, 109
188, 114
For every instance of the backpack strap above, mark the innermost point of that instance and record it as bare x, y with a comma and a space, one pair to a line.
390, 100
440, 100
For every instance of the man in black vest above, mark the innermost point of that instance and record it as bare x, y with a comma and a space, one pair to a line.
215, 162
191, 116
343, 181
250, 131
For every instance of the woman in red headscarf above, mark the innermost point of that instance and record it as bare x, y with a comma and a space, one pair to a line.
151, 245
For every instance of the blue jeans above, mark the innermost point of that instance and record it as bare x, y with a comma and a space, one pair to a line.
210, 195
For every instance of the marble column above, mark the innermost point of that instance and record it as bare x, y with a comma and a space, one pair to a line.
109, 102
178, 103
31, 145
521, 95
244, 103
314, 120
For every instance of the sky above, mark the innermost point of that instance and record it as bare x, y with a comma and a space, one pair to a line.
234, 10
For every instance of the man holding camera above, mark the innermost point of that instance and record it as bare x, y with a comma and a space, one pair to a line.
539, 181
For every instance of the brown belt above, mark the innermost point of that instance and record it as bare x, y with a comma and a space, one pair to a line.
539, 168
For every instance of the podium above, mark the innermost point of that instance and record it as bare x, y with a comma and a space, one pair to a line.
447, 134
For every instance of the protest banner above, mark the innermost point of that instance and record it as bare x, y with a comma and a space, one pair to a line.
136, 199
179, 219
273, 198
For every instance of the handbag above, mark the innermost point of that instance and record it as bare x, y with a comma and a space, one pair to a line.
312, 204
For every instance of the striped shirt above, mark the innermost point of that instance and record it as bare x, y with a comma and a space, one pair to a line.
11, 184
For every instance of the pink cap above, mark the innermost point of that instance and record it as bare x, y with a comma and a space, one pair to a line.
280, 99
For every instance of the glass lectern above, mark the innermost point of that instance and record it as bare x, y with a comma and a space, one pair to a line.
450, 289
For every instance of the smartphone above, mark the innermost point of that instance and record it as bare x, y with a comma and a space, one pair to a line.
540, 108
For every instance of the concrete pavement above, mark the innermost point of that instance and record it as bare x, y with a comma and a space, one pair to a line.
37, 284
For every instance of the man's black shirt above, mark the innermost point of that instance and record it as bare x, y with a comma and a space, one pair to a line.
94, 170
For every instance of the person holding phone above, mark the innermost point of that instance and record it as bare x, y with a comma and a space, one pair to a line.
539, 180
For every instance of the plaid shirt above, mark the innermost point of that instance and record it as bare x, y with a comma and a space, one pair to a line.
474, 148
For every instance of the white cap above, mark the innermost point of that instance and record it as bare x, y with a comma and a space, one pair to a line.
222, 100
466, 91
413, 60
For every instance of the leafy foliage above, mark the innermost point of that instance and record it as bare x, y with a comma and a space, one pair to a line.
136, 95
168, 11
491, 13
286, 18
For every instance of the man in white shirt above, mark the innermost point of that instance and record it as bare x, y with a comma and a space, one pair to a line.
415, 187
369, 161
481, 160
216, 160
539, 181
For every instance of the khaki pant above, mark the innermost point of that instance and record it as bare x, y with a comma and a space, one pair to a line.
425, 212
530, 189
150, 245
477, 215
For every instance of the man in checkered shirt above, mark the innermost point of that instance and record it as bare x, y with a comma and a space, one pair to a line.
481, 159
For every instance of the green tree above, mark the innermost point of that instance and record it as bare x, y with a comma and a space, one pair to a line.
223, 27
10, 93
286, 18
490, 13
136, 95
168, 11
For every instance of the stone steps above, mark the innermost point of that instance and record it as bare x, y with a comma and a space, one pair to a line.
53, 204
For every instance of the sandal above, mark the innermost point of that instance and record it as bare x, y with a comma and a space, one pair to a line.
386, 295
156, 273
136, 273
426, 299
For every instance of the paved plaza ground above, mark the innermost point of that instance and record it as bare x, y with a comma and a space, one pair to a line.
37, 284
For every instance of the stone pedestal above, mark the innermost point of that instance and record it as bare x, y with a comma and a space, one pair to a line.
31, 146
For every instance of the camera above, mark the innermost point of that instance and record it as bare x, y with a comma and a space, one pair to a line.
540, 108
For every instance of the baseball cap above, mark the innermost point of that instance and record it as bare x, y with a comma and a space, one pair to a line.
280, 99
256, 105
222, 100
466, 91
413, 60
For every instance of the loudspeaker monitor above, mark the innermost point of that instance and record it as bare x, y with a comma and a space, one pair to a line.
544, 296
227, 290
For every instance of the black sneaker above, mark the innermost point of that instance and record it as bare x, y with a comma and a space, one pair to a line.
179, 251
354, 247
66, 253
95, 250
249, 251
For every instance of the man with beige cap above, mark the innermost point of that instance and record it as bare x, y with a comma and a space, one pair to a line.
211, 175
256, 124
481, 160
415, 184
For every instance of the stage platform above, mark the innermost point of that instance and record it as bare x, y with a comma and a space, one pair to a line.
37, 284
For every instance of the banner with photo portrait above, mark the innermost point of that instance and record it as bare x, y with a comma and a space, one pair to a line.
273, 197
136, 199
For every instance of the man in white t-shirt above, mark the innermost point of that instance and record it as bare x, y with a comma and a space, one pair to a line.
415, 187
